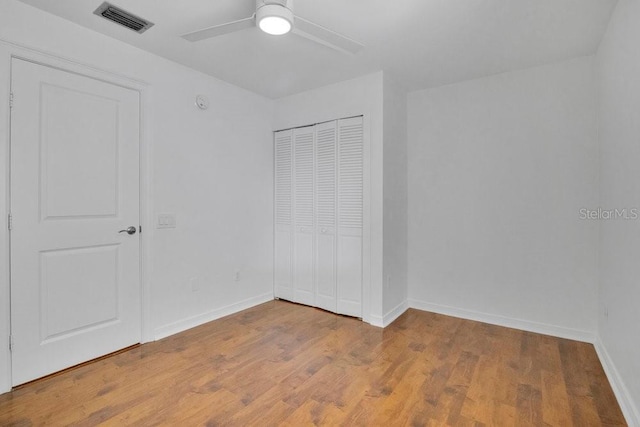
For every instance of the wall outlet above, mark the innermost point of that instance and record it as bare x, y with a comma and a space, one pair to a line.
195, 284
166, 220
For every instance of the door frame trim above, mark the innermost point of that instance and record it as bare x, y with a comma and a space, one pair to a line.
9, 51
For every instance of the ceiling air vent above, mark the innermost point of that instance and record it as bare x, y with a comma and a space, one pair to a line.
122, 17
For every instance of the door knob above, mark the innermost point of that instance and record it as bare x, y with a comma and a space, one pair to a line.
129, 230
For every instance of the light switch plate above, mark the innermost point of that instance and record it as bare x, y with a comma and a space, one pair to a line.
166, 220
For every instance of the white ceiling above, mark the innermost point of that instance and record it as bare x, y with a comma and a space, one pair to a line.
423, 43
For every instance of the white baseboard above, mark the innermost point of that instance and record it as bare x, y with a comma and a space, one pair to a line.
509, 322
629, 409
192, 322
377, 321
5, 386
395, 312
387, 319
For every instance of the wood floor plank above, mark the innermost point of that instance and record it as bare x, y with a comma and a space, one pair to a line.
285, 364
556, 409
481, 392
529, 406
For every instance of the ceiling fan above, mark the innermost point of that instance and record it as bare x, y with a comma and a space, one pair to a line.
276, 17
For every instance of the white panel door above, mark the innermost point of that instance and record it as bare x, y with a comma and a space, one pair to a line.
283, 215
75, 280
303, 265
350, 202
325, 202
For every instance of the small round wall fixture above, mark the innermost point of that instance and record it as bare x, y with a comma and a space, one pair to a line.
202, 102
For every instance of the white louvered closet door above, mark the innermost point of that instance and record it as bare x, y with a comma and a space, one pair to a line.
326, 206
303, 203
283, 214
350, 205
318, 215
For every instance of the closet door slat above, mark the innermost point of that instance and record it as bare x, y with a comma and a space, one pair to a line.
303, 184
350, 203
283, 245
326, 205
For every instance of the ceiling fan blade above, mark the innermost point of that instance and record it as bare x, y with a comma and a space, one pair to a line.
218, 30
325, 36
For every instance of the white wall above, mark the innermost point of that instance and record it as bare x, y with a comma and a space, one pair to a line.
395, 200
213, 169
618, 62
499, 169
363, 95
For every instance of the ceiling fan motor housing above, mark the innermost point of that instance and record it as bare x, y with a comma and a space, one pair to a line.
285, 3
274, 8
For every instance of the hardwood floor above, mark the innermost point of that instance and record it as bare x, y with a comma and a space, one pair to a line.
285, 364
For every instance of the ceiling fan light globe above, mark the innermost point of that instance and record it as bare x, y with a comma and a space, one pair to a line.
275, 25
274, 19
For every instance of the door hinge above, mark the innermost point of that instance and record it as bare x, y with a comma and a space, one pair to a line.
9, 222
140, 231
10, 99
12, 344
